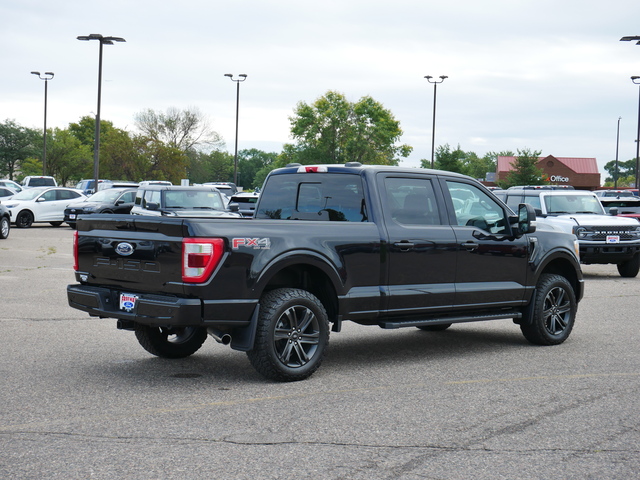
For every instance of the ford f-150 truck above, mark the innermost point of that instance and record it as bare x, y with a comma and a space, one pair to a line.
375, 245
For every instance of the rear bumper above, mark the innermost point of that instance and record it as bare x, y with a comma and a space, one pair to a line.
160, 310
150, 309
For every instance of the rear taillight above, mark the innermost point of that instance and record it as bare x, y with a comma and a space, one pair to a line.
75, 250
200, 257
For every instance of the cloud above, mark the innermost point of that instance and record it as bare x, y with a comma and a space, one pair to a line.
550, 76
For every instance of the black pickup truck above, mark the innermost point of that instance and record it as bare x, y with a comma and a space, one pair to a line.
375, 245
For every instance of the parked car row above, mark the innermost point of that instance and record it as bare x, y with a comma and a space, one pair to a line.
56, 205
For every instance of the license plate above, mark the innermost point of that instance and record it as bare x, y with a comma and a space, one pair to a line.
128, 302
613, 238
72, 216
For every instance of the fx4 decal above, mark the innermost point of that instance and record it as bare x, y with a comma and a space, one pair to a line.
255, 243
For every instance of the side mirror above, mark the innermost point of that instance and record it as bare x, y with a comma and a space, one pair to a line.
234, 207
526, 219
613, 211
153, 206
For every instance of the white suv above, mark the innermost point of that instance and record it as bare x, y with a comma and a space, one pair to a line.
602, 238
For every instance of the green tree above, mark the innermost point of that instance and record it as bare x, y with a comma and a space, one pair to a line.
334, 130
122, 156
67, 158
626, 173
525, 171
29, 166
85, 131
215, 166
478, 167
467, 163
250, 162
17, 143
446, 159
160, 161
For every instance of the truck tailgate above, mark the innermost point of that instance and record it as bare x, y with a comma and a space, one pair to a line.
131, 252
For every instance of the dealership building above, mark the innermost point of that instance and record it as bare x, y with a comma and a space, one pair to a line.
580, 173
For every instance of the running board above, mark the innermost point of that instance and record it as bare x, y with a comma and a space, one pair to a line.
447, 320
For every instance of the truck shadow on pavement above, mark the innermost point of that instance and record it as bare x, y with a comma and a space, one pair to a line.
347, 350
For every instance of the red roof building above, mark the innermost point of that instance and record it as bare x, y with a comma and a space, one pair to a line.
581, 173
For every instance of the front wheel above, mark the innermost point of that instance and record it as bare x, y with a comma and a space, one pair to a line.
24, 219
5, 227
553, 312
630, 268
292, 335
176, 342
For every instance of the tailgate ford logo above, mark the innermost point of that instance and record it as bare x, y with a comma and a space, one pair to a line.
124, 249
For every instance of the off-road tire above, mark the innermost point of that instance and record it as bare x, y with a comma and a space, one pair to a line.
553, 312
630, 268
292, 335
171, 342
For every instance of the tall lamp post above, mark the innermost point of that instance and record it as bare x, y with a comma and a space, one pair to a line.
635, 38
433, 130
241, 78
96, 144
636, 80
47, 76
615, 180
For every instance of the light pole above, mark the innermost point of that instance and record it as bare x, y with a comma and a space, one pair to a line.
96, 144
433, 130
615, 178
635, 38
47, 76
633, 79
241, 78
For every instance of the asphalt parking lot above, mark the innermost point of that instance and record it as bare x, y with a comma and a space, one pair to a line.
82, 400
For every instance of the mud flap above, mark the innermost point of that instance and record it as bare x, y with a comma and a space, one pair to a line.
243, 338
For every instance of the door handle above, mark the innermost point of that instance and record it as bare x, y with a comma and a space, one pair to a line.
404, 245
470, 246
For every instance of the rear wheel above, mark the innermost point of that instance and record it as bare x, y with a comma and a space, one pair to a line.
24, 219
553, 313
630, 268
171, 342
55, 224
5, 227
292, 335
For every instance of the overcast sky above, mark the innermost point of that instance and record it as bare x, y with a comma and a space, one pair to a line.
545, 75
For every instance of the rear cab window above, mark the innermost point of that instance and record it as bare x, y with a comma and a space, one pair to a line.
315, 196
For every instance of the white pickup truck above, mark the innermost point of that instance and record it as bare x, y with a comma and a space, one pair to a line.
603, 238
